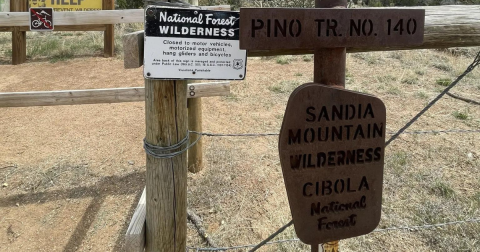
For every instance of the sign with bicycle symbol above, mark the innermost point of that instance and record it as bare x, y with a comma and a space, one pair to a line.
41, 19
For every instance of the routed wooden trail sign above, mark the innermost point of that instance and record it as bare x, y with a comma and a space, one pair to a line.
332, 152
279, 28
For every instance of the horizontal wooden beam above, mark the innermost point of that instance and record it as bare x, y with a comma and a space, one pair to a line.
94, 96
445, 26
6, 29
77, 17
8, 19
135, 236
98, 27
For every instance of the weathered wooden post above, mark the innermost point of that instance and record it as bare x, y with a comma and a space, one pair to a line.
19, 38
332, 140
195, 153
166, 185
329, 63
109, 34
329, 69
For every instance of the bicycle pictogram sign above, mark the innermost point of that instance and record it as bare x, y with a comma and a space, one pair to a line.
41, 19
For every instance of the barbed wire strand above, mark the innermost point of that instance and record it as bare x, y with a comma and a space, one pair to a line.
438, 131
390, 133
470, 68
463, 98
272, 236
197, 222
400, 228
427, 226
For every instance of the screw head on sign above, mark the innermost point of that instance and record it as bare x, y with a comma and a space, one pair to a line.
193, 72
149, 12
241, 76
148, 74
192, 93
195, 12
192, 88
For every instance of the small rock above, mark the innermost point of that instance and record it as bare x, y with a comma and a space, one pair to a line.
17, 204
470, 155
131, 162
4, 184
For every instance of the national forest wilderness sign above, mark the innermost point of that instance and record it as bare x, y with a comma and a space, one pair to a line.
332, 152
283, 28
193, 44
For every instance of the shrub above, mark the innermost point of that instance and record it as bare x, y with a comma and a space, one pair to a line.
444, 81
129, 4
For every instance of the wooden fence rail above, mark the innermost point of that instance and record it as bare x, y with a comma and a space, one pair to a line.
87, 17
17, 22
77, 18
109, 95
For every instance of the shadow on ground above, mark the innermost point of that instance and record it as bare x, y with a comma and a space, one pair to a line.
104, 188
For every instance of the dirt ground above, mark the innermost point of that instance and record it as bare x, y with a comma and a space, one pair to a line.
71, 175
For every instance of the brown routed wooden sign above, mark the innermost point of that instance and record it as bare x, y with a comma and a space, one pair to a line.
282, 28
332, 152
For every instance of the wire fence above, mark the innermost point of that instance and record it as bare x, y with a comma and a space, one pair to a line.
419, 132
378, 230
394, 135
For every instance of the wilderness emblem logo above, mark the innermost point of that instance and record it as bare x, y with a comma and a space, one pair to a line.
238, 64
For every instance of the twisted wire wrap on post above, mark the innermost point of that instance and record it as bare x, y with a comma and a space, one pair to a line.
172, 150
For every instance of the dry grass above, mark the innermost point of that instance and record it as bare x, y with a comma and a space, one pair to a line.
240, 194
62, 46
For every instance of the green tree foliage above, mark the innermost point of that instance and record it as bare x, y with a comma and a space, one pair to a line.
130, 4
235, 4
381, 3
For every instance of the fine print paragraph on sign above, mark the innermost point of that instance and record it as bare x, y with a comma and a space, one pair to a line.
332, 152
192, 44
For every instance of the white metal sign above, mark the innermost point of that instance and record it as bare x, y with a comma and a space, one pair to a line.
192, 44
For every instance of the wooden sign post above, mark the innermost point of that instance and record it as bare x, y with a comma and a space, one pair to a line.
331, 141
179, 44
166, 184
